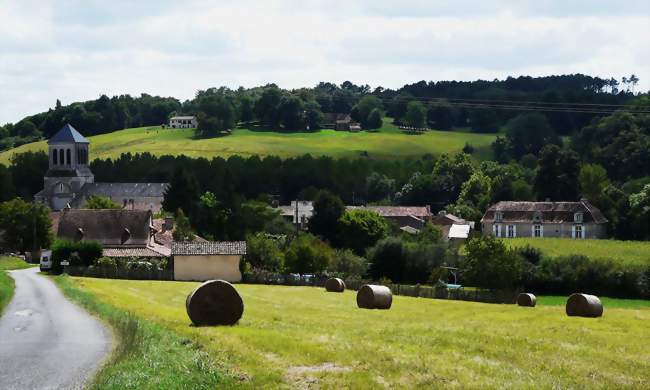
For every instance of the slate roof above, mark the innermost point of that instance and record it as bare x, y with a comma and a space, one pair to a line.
66, 135
158, 251
209, 248
447, 219
125, 190
550, 212
108, 227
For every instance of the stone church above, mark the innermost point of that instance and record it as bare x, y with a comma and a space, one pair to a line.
69, 181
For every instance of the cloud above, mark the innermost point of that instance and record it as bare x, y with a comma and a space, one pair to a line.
76, 50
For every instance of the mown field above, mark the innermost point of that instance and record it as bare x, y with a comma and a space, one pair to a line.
6, 283
631, 252
388, 142
300, 337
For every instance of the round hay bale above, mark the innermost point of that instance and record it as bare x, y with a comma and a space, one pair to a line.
334, 285
215, 302
371, 296
584, 305
526, 299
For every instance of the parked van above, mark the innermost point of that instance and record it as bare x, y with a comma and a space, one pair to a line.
46, 260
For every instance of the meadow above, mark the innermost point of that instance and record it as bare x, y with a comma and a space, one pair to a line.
386, 143
628, 252
303, 337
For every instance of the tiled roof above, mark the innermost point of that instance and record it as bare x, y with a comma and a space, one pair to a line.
108, 227
136, 252
209, 248
550, 212
125, 190
68, 134
395, 211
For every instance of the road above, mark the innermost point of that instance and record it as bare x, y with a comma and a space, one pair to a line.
46, 342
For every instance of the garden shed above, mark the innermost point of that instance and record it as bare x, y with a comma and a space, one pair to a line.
199, 261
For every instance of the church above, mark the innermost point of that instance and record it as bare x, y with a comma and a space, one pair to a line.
69, 182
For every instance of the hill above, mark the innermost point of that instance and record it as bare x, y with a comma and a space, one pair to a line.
388, 142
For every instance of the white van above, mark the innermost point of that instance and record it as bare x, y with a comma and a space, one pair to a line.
46, 260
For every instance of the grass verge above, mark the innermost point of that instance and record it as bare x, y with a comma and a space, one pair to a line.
147, 355
6, 282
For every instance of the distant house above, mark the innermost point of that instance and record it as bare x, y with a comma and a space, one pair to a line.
578, 220
122, 233
413, 216
201, 261
183, 122
339, 121
452, 227
298, 212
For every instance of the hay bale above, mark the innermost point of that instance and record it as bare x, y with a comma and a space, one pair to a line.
584, 305
371, 296
526, 299
215, 302
334, 285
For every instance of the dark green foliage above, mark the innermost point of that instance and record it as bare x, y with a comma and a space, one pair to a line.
328, 208
216, 113
360, 229
265, 252
346, 263
182, 227
78, 253
442, 116
488, 263
528, 134
363, 109
416, 114
375, 120
557, 174
25, 226
183, 193
101, 202
27, 170
308, 255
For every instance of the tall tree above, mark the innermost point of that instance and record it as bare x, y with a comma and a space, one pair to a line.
416, 114
183, 193
328, 208
26, 226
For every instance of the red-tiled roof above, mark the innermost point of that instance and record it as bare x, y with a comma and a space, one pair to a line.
550, 212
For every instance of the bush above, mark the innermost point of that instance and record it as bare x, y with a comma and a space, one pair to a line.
345, 263
78, 253
308, 254
490, 264
360, 229
106, 262
263, 252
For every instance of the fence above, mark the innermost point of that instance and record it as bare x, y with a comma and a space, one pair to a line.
419, 291
119, 273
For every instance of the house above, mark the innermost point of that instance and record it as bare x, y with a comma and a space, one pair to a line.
578, 220
339, 121
122, 233
201, 261
183, 122
452, 227
413, 216
69, 181
298, 212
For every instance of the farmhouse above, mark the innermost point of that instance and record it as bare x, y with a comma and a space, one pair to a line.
208, 260
452, 227
578, 220
183, 122
69, 181
339, 121
122, 233
413, 216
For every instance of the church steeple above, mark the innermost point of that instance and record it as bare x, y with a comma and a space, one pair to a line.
68, 149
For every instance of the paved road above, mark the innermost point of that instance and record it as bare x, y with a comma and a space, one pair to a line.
46, 342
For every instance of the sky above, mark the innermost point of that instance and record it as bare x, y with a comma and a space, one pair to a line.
76, 50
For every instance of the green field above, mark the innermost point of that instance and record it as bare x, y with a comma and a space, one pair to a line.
6, 283
388, 142
631, 252
303, 337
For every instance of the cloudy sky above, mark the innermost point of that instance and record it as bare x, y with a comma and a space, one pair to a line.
76, 50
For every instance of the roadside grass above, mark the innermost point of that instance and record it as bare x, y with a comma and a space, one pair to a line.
386, 143
6, 282
147, 355
299, 337
626, 252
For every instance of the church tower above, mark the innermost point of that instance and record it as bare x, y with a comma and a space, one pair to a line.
68, 168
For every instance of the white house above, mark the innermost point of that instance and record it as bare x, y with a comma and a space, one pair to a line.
183, 122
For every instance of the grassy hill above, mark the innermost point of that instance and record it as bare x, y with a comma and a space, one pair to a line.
299, 337
632, 252
388, 142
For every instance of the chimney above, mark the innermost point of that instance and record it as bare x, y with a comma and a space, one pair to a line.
275, 204
442, 213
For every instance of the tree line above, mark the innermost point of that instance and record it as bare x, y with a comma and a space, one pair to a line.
423, 104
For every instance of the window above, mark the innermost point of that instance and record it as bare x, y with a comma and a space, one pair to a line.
538, 231
496, 229
68, 155
512, 231
55, 157
577, 232
498, 216
61, 156
537, 217
577, 217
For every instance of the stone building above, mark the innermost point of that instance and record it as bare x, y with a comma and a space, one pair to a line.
578, 220
69, 181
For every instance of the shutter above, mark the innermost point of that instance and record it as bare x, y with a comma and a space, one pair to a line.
532, 230
541, 231
514, 231
494, 230
573, 231
584, 232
